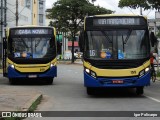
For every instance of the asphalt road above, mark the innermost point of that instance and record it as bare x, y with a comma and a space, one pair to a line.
68, 94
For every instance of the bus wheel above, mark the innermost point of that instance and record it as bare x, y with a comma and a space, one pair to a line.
12, 81
139, 90
49, 81
90, 91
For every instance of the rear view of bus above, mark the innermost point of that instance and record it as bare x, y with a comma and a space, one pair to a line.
30, 52
116, 52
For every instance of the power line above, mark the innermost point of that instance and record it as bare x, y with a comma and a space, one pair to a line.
148, 12
131, 10
10, 4
21, 10
11, 11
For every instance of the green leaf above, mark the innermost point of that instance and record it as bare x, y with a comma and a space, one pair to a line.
146, 4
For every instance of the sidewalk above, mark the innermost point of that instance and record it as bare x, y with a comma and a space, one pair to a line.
14, 99
158, 78
77, 61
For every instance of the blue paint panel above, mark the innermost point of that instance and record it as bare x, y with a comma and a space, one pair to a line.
107, 82
12, 73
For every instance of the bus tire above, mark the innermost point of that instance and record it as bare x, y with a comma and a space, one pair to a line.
139, 90
12, 81
49, 81
90, 91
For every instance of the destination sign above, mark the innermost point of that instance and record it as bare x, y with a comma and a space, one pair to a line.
30, 31
116, 21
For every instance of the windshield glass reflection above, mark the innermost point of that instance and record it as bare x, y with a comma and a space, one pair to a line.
32, 47
117, 44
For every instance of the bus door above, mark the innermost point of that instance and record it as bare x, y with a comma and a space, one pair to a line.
4, 57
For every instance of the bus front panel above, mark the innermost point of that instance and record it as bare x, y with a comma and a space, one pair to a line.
31, 52
133, 77
116, 51
48, 70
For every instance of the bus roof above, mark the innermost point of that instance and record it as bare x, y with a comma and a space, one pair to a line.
31, 26
118, 15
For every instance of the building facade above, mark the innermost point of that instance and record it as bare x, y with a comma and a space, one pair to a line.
38, 12
154, 24
23, 13
20, 13
30, 12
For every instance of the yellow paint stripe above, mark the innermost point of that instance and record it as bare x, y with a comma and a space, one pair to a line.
116, 72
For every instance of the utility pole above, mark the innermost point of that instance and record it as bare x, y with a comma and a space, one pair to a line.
141, 11
16, 14
5, 16
1, 21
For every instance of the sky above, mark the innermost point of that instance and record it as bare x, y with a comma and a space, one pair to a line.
113, 5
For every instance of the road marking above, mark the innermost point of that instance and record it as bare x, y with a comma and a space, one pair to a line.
154, 99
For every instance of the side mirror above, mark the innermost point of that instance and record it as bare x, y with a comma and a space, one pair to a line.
153, 39
4, 43
81, 41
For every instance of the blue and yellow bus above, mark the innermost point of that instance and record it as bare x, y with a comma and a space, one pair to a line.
30, 52
116, 51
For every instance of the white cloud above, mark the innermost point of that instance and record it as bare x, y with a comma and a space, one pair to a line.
49, 3
113, 5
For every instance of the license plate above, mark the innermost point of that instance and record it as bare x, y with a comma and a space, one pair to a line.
32, 76
117, 81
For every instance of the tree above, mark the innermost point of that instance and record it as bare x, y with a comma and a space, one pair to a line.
146, 4
69, 16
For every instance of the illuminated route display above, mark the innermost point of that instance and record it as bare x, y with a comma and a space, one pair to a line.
117, 21
31, 31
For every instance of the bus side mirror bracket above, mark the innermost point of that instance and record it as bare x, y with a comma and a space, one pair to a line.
81, 41
153, 39
4, 43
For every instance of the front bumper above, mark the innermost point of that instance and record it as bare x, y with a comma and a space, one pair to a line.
52, 72
107, 82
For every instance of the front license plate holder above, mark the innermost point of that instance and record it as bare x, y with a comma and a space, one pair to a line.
32, 76
117, 81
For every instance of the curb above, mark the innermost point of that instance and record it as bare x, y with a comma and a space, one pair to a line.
68, 62
28, 107
158, 78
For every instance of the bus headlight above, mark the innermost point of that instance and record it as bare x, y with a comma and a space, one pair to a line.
12, 66
90, 72
51, 65
87, 70
141, 73
147, 69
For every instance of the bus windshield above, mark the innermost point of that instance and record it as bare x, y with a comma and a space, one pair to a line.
37, 47
117, 44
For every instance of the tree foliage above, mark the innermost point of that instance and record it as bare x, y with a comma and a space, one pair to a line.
69, 15
146, 4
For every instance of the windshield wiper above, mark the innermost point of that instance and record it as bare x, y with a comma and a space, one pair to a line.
24, 43
36, 44
125, 41
106, 36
